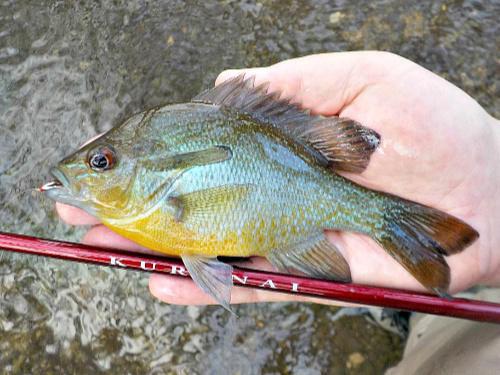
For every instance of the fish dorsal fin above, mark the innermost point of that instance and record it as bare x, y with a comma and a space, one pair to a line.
345, 144
315, 256
211, 276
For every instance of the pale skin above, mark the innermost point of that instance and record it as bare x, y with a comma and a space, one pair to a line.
439, 147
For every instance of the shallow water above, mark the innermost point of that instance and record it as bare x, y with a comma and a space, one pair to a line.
70, 70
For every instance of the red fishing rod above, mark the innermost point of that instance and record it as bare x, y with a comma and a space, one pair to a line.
351, 293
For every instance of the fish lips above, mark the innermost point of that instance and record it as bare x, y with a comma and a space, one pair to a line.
59, 189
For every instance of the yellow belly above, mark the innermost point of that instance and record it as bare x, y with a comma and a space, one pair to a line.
165, 235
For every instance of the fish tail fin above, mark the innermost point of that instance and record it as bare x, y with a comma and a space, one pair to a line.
419, 237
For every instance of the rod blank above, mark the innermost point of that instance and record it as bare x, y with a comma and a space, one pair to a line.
351, 293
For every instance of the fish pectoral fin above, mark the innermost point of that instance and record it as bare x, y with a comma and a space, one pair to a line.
211, 276
316, 257
207, 203
176, 165
340, 143
215, 154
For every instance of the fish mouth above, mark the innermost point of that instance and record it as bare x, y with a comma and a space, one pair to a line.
60, 181
63, 190
58, 188
53, 184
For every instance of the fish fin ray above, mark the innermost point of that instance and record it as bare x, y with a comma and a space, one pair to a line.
207, 203
345, 144
212, 276
419, 237
315, 256
178, 164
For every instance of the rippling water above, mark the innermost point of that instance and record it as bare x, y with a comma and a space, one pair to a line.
70, 70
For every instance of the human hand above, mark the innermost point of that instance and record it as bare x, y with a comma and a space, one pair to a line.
439, 148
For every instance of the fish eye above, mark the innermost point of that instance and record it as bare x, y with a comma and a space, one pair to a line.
101, 159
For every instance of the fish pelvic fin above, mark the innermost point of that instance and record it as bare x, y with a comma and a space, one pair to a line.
315, 257
212, 276
419, 237
340, 143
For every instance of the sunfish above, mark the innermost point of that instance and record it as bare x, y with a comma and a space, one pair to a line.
239, 172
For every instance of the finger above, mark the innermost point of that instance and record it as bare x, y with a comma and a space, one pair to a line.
370, 264
178, 290
183, 291
102, 236
303, 79
75, 216
466, 269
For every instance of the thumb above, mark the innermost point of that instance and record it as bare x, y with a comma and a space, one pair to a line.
324, 83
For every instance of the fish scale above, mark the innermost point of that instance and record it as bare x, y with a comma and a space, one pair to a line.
275, 199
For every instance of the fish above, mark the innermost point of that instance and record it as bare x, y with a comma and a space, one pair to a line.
238, 172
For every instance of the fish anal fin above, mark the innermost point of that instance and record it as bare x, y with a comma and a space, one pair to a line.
419, 237
207, 203
345, 144
315, 257
212, 276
